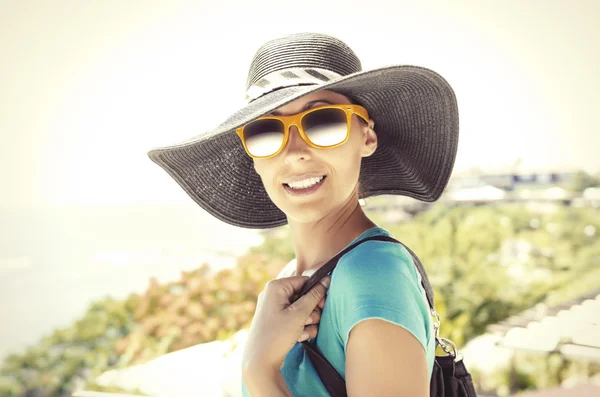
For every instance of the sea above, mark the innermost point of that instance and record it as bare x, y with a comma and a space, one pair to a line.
55, 261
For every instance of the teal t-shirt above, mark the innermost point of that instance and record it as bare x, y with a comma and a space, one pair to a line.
375, 280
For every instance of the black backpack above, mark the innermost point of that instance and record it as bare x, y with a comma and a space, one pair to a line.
450, 377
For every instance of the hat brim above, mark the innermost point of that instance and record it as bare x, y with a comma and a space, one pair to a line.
416, 121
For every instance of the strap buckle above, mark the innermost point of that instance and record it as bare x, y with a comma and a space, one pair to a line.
446, 344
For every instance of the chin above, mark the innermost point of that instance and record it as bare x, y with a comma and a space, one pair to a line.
306, 213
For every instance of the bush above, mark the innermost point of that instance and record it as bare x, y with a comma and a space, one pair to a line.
463, 249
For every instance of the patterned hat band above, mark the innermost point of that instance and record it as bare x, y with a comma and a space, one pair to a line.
288, 78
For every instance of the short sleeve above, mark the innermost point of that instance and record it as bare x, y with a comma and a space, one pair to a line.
378, 280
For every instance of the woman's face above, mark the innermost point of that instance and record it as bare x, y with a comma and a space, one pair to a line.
298, 161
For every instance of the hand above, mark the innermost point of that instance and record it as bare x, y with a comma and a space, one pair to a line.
277, 324
311, 326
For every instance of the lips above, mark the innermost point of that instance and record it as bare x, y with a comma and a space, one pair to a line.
301, 177
305, 183
304, 186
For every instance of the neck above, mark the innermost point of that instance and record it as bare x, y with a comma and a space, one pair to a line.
317, 242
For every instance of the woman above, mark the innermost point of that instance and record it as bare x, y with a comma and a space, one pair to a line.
317, 134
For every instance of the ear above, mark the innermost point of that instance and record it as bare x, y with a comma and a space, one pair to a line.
369, 139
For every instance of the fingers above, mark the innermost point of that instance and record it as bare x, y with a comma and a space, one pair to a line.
288, 285
310, 332
311, 327
314, 318
296, 282
322, 303
308, 302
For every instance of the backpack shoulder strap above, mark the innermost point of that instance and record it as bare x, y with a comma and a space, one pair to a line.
333, 382
332, 263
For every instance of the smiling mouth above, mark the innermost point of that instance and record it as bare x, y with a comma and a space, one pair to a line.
305, 183
304, 187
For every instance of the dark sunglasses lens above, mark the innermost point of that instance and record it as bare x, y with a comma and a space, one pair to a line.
264, 137
326, 127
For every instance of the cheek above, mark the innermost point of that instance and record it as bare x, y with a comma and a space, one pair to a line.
353, 152
347, 167
351, 171
266, 171
261, 169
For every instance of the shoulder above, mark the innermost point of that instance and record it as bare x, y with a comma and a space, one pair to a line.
375, 259
378, 280
376, 273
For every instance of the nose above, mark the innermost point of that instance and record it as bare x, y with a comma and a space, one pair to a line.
296, 149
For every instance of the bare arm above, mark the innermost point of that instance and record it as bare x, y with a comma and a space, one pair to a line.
276, 327
384, 359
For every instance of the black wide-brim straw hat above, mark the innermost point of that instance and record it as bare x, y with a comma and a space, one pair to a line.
414, 110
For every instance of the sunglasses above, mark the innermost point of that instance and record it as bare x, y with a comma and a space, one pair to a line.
323, 127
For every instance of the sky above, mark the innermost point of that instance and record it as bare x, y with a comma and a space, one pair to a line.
87, 88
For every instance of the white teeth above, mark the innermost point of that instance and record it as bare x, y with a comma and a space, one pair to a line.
306, 183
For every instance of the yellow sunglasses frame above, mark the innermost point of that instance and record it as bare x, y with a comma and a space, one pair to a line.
296, 120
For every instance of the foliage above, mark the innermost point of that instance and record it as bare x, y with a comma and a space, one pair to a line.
66, 358
582, 180
533, 371
199, 307
485, 263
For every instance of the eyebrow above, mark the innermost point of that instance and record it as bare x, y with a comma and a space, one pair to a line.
306, 107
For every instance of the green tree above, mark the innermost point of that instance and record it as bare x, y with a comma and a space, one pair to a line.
582, 180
